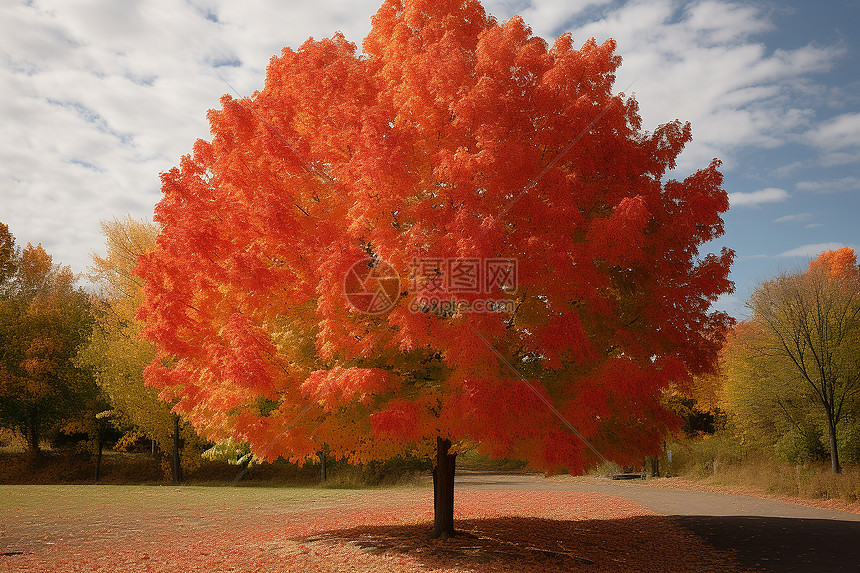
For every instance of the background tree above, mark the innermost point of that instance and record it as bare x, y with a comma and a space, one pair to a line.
767, 407
697, 421
94, 420
44, 319
707, 390
800, 349
451, 138
117, 354
9, 258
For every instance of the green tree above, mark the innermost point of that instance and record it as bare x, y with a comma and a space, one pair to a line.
767, 406
44, 320
94, 419
9, 258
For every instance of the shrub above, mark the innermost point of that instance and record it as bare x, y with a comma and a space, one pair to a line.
802, 445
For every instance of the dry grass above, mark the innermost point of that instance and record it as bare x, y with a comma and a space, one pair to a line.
719, 462
810, 482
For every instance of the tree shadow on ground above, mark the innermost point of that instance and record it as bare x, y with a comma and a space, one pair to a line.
786, 545
515, 544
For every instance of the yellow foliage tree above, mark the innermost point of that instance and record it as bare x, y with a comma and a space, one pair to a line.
796, 359
118, 355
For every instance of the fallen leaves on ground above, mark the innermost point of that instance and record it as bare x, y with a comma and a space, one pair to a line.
501, 531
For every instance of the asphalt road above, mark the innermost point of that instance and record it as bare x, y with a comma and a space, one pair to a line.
766, 534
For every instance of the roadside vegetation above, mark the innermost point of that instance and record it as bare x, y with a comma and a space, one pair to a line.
723, 460
782, 415
73, 463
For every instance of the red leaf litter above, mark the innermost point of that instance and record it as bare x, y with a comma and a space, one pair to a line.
499, 531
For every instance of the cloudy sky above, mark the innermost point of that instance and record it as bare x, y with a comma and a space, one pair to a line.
100, 96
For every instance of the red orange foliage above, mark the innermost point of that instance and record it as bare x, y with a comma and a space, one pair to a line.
450, 136
841, 263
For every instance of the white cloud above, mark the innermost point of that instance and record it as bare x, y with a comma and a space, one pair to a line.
838, 139
811, 251
839, 132
756, 198
725, 21
100, 96
703, 64
787, 170
832, 186
797, 218
550, 16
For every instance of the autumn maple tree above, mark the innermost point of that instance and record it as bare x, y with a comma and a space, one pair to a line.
450, 137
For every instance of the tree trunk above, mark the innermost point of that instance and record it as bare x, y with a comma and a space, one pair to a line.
175, 459
101, 447
33, 439
32, 433
654, 462
323, 469
443, 491
834, 451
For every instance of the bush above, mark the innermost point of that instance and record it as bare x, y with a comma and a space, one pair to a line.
475, 461
802, 445
76, 467
849, 440
704, 456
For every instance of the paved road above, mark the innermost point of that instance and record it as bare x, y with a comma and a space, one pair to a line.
767, 534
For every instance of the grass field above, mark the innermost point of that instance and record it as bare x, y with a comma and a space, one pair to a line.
219, 529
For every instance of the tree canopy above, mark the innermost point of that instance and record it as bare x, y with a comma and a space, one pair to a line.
116, 353
44, 319
451, 137
798, 352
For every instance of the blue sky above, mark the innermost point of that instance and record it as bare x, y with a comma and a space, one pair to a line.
100, 96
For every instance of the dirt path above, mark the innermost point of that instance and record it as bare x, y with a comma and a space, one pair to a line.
768, 534
665, 501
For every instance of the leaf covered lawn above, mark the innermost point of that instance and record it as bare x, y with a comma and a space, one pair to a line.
55, 528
